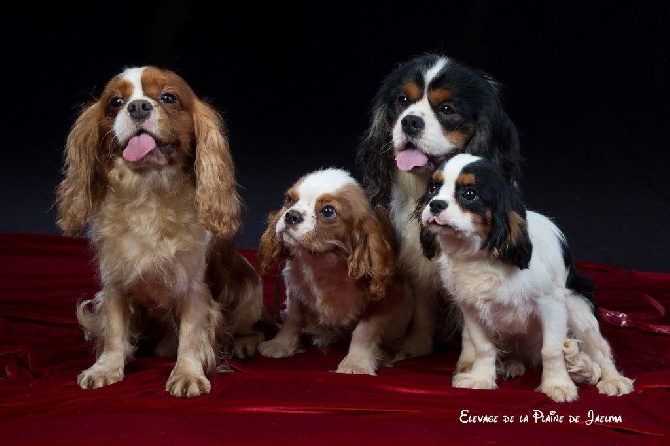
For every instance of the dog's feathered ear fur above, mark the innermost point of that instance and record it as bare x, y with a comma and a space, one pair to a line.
81, 188
372, 256
509, 240
496, 136
216, 196
271, 251
373, 159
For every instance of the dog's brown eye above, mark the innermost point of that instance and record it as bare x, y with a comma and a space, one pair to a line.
116, 101
433, 188
288, 201
168, 98
328, 211
447, 109
402, 101
469, 194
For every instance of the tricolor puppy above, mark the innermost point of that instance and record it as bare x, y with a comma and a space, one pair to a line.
149, 173
427, 108
338, 264
511, 273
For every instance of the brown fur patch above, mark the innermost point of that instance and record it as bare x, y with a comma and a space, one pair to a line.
438, 176
458, 138
412, 91
465, 179
439, 95
517, 227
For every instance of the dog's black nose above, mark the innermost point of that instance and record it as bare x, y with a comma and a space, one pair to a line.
292, 217
140, 109
437, 206
412, 124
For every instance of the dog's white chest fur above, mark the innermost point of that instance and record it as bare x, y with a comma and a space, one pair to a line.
322, 284
488, 292
148, 225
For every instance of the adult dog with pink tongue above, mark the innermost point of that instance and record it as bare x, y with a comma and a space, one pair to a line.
149, 175
428, 108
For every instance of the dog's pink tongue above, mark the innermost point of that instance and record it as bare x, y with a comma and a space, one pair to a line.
410, 158
138, 147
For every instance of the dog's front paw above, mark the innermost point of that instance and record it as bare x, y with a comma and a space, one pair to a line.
357, 365
99, 376
560, 391
414, 346
277, 349
511, 368
186, 385
245, 346
473, 381
617, 386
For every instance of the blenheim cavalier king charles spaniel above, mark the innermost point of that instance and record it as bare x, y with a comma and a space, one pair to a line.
148, 172
337, 260
510, 271
427, 108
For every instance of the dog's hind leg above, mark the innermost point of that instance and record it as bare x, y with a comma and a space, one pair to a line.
584, 326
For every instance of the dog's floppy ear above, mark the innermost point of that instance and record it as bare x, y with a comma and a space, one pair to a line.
81, 188
496, 136
216, 197
509, 240
270, 250
374, 157
372, 256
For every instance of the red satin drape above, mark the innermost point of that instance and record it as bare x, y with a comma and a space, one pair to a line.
299, 400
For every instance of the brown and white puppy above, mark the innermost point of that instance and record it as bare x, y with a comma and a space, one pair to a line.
149, 173
427, 108
511, 272
339, 271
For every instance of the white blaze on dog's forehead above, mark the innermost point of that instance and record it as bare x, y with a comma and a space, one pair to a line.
453, 169
134, 76
422, 107
434, 71
322, 182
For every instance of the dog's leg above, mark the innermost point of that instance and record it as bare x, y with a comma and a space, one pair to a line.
585, 327
482, 374
419, 339
556, 382
287, 341
116, 348
199, 319
365, 352
249, 309
467, 356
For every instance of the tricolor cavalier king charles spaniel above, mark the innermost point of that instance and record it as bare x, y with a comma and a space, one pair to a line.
510, 271
427, 108
148, 172
337, 260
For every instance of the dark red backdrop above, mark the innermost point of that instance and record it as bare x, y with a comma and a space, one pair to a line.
300, 400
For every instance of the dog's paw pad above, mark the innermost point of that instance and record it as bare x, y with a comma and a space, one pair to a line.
615, 386
512, 368
245, 346
357, 366
472, 381
96, 377
560, 392
276, 349
187, 386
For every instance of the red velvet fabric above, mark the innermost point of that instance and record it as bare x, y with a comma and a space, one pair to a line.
299, 400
